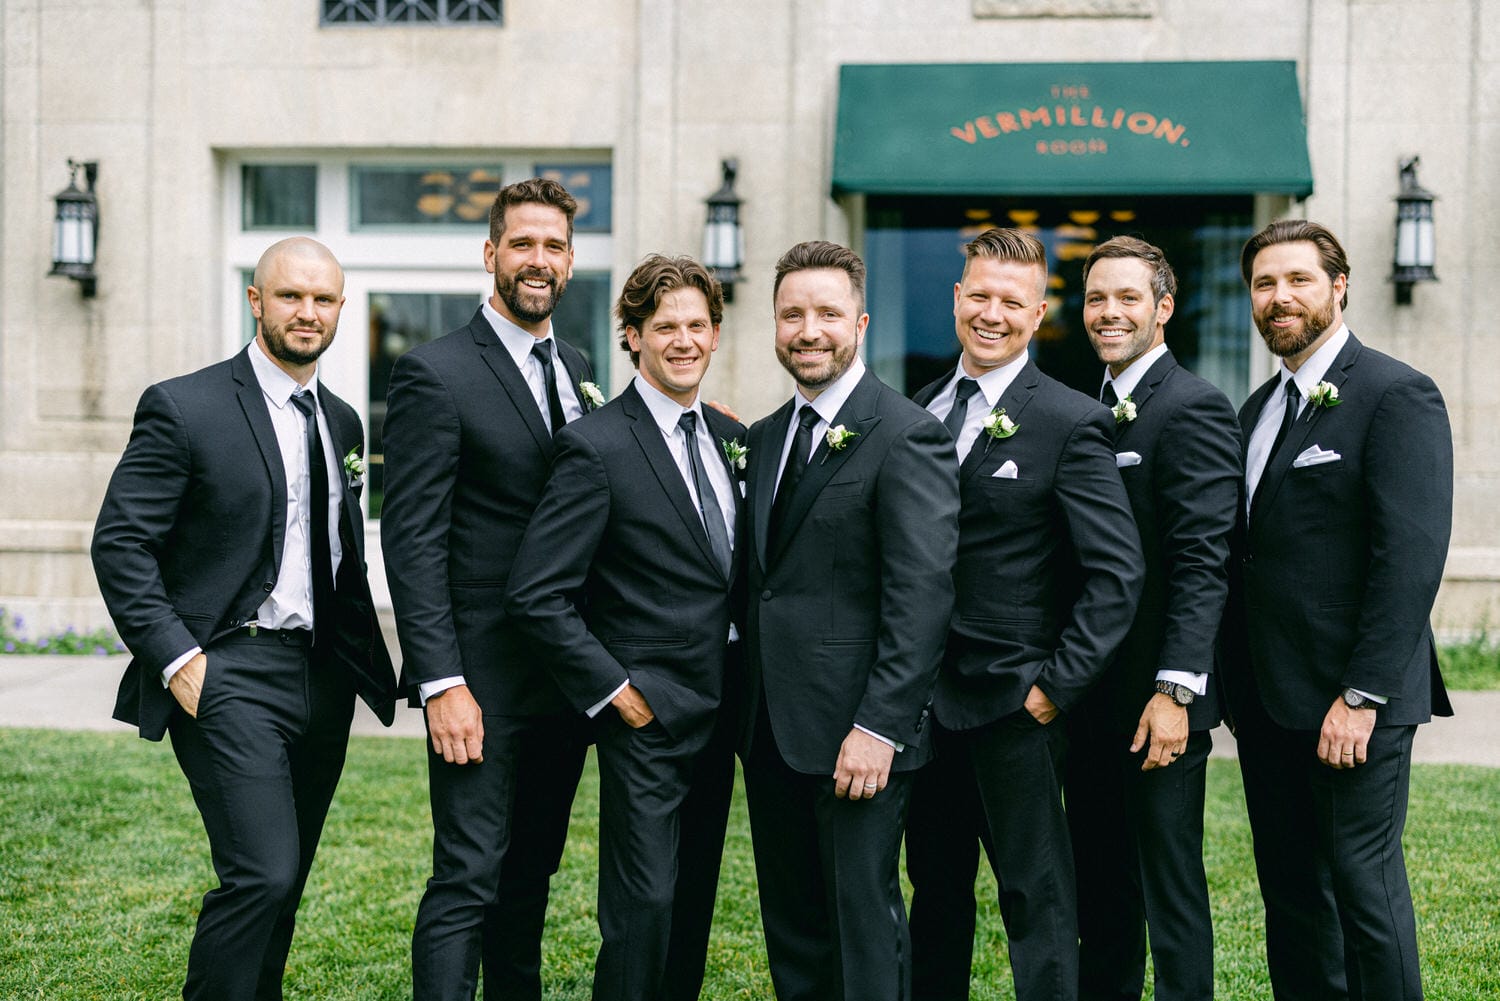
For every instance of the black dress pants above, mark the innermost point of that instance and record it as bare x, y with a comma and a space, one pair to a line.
263, 758
1001, 784
483, 899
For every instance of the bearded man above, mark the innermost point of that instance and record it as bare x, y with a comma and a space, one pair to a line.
1329, 660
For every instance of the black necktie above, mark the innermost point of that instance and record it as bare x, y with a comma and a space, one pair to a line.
954, 422
542, 352
1288, 418
796, 462
708, 501
1107, 395
321, 551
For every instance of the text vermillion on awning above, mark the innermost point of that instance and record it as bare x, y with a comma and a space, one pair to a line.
1072, 128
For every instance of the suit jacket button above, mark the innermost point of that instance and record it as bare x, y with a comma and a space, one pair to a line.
765, 595
234, 623
268, 586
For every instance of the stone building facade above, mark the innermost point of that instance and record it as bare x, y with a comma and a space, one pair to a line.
220, 126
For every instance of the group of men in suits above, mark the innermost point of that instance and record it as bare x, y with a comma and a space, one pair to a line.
983, 618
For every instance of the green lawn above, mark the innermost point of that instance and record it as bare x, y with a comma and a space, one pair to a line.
103, 862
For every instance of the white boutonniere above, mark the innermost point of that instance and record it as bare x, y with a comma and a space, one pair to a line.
997, 425
354, 466
593, 396
1124, 411
1324, 394
838, 437
735, 452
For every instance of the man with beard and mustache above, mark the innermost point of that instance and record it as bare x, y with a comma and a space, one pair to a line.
1329, 660
854, 501
230, 552
468, 445
1139, 741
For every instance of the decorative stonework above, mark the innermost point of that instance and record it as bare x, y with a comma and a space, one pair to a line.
1066, 8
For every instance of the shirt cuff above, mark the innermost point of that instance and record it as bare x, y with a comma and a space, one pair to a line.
428, 689
598, 707
884, 740
177, 665
1188, 679
1377, 699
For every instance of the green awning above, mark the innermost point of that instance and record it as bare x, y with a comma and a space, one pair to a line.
1072, 128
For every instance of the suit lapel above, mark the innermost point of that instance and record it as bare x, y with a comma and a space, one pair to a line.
1296, 439
765, 457
577, 368
346, 437
722, 429
499, 361
857, 415
1013, 401
253, 405
1145, 389
654, 447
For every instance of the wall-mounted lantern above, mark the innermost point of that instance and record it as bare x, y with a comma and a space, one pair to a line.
1416, 243
75, 228
723, 239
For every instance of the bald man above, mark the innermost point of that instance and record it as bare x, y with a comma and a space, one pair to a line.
230, 552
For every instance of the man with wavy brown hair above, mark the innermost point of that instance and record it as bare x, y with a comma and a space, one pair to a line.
624, 580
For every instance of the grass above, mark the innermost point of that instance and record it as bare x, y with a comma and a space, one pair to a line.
103, 862
1471, 666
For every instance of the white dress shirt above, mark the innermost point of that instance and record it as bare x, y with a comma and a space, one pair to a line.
1125, 383
992, 385
518, 344
290, 604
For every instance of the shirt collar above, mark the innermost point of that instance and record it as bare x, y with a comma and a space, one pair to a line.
993, 383
274, 382
664, 410
831, 400
1127, 380
1312, 371
517, 342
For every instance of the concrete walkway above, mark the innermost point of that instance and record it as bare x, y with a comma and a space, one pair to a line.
78, 693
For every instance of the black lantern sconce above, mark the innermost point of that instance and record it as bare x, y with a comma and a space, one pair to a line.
75, 228
1416, 242
723, 239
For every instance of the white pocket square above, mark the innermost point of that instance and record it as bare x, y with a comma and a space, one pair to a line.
1007, 470
1315, 456
1127, 458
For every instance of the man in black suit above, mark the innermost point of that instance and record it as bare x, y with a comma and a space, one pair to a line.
1330, 663
230, 552
468, 443
1139, 741
624, 579
1047, 579
850, 554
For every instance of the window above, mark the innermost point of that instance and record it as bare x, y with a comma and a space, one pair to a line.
589, 183
411, 12
279, 195
422, 195
914, 250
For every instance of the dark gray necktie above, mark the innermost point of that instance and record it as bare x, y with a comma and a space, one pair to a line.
791, 473
1288, 418
954, 422
708, 501
321, 551
1107, 395
542, 352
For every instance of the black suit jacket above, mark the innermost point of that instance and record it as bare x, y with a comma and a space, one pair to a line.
466, 455
1183, 492
616, 579
846, 614
188, 540
1049, 563
1339, 563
